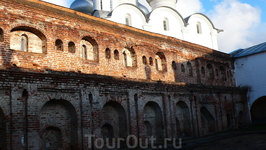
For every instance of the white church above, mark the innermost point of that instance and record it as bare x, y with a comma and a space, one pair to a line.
163, 18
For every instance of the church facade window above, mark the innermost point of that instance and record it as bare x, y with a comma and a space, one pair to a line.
189, 69
202, 70
71, 47
116, 55
59, 44
129, 57
107, 53
160, 61
24, 43
84, 52
211, 71
165, 24
174, 65
144, 60
91, 49
182, 68
151, 61
223, 73
199, 28
1, 35
128, 19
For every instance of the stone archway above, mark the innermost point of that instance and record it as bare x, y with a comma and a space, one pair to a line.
2, 130
114, 119
183, 116
258, 110
207, 121
58, 124
154, 120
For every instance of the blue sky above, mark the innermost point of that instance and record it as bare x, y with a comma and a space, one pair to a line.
243, 21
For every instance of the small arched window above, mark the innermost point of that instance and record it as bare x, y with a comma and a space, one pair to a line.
182, 68
59, 44
125, 58
84, 52
199, 29
24, 43
144, 60
128, 19
223, 73
101, 3
173, 65
150, 61
165, 24
116, 55
189, 67
217, 72
211, 71
71, 47
160, 61
203, 70
111, 4
1, 35
129, 57
107, 53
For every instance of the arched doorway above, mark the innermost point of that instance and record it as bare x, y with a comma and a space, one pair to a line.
153, 121
2, 130
258, 110
58, 124
114, 120
183, 116
207, 121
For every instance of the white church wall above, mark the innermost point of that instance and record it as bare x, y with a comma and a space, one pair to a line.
201, 31
136, 17
175, 22
251, 71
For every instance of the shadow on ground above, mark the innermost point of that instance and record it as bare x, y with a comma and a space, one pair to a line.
251, 138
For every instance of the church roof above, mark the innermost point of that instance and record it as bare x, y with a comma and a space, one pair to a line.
249, 51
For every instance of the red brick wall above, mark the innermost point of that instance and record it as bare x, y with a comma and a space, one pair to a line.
58, 96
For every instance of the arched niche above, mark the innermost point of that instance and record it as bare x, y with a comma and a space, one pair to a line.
207, 121
59, 118
35, 41
114, 120
89, 49
183, 116
153, 120
258, 110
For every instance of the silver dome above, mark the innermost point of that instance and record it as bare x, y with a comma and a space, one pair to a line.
143, 8
85, 6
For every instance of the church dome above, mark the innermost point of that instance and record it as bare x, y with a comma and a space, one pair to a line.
159, 3
85, 6
143, 8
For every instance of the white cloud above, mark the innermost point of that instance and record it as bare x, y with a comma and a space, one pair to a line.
64, 3
240, 22
189, 7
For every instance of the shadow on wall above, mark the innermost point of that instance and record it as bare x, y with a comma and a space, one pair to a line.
3, 132
59, 126
258, 111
